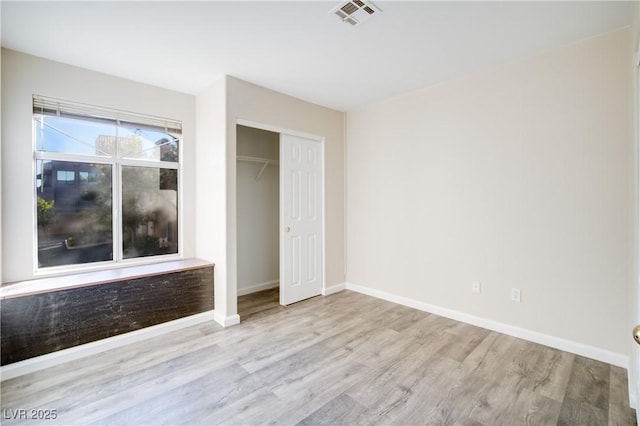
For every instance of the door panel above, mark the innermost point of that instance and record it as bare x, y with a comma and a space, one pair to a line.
301, 207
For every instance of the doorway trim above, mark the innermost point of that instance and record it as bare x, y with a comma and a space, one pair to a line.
282, 130
634, 365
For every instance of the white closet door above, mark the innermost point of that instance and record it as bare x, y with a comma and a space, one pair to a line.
301, 210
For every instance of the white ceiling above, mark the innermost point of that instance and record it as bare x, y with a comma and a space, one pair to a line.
298, 47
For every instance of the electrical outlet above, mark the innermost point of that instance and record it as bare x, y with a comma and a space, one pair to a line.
515, 295
475, 287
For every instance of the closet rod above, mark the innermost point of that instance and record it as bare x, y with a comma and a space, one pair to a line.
266, 162
257, 159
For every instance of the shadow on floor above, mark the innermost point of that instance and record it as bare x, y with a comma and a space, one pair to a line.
258, 304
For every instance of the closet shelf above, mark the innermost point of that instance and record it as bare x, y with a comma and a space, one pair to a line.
264, 161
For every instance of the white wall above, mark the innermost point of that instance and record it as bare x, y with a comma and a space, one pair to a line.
25, 75
258, 211
520, 176
211, 191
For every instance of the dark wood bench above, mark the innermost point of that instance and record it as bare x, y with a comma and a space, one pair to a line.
45, 315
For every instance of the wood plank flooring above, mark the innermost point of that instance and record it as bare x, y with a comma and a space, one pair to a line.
344, 359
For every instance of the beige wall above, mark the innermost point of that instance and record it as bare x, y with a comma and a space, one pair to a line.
522, 176
259, 105
25, 75
258, 210
218, 110
209, 182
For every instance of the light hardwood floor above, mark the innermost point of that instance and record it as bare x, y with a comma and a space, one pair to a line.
342, 359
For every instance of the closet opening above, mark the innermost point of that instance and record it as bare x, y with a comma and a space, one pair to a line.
258, 215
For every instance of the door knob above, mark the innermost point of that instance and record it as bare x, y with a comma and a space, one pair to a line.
636, 333
288, 229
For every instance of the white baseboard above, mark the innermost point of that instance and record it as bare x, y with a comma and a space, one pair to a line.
226, 321
577, 348
65, 355
632, 382
333, 289
258, 287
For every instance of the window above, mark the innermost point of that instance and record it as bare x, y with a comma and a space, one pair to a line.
106, 184
66, 177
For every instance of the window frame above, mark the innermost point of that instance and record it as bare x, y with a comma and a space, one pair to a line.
117, 163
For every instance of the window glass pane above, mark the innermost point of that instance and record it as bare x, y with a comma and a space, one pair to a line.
74, 216
66, 177
145, 144
75, 210
74, 136
149, 211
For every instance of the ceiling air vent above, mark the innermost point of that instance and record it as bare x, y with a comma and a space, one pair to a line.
355, 12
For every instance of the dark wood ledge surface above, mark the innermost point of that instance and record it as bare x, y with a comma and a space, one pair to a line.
83, 279
42, 316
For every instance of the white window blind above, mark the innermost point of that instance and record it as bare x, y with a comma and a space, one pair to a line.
50, 106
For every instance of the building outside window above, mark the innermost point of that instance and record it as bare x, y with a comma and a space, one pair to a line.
106, 184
